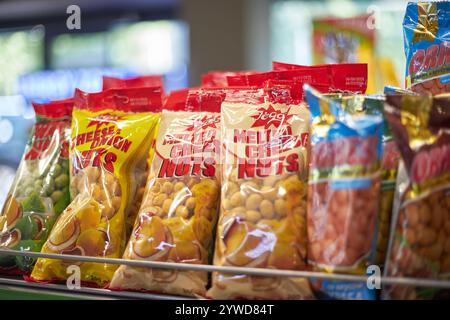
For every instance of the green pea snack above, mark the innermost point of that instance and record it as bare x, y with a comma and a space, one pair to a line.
40, 191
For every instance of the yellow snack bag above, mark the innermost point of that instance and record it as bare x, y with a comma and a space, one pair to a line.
179, 209
111, 135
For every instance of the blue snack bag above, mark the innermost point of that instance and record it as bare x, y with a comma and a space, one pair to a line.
343, 193
426, 28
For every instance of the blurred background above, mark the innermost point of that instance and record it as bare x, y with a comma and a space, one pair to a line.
41, 59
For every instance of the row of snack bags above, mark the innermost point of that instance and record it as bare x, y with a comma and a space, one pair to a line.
238, 155
246, 164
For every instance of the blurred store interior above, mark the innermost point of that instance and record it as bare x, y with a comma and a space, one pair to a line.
41, 59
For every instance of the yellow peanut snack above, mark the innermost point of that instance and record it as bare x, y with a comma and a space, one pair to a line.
107, 142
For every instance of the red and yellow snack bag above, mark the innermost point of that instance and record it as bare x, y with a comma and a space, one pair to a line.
419, 244
142, 168
179, 210
111, 133
264, 135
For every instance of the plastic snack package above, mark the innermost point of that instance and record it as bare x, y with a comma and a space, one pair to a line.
219, 78
374, 105
40, 191
142, 169
344, 188
135, 82
180, 207
419, 244
264, 135
426, 28
343, 76
111, 134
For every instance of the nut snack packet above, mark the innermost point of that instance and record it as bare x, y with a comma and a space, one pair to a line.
180, 206
420, 238
426, 29
142, 168
344, 185
374, 105
111, 133
40, 191
264, 134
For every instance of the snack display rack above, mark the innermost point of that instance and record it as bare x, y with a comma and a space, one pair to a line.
15, 285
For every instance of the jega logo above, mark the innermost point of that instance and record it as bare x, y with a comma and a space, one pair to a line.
270, 117
103, 119
206, 122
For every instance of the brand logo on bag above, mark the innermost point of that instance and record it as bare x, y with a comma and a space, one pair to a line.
103, 119
270, 117
204, 123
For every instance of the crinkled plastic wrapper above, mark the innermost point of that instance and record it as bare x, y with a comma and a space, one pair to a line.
263, 199
427, 46
141, 171
374, 105
40, 191
419, 244
179, 211
111, 132
344, 186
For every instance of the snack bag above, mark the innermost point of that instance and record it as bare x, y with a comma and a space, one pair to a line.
142, 168
136, 82
40, 191
179, 211
374, 105
111, 133
426, 29
264, 136
420, 238
344, 186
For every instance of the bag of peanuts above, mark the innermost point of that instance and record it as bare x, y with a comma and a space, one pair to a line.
142, 169
343, 193
180, 207
40, 191
111, 135
374, 105
264, 134
427, 46
419, 245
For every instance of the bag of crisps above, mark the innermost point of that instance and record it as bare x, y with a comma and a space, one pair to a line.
420, 238
426, 30
135, 82
40, 191
264, 136
343, 193
111, 133
179, 211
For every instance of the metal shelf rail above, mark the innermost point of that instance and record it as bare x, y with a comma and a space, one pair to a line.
432, 283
